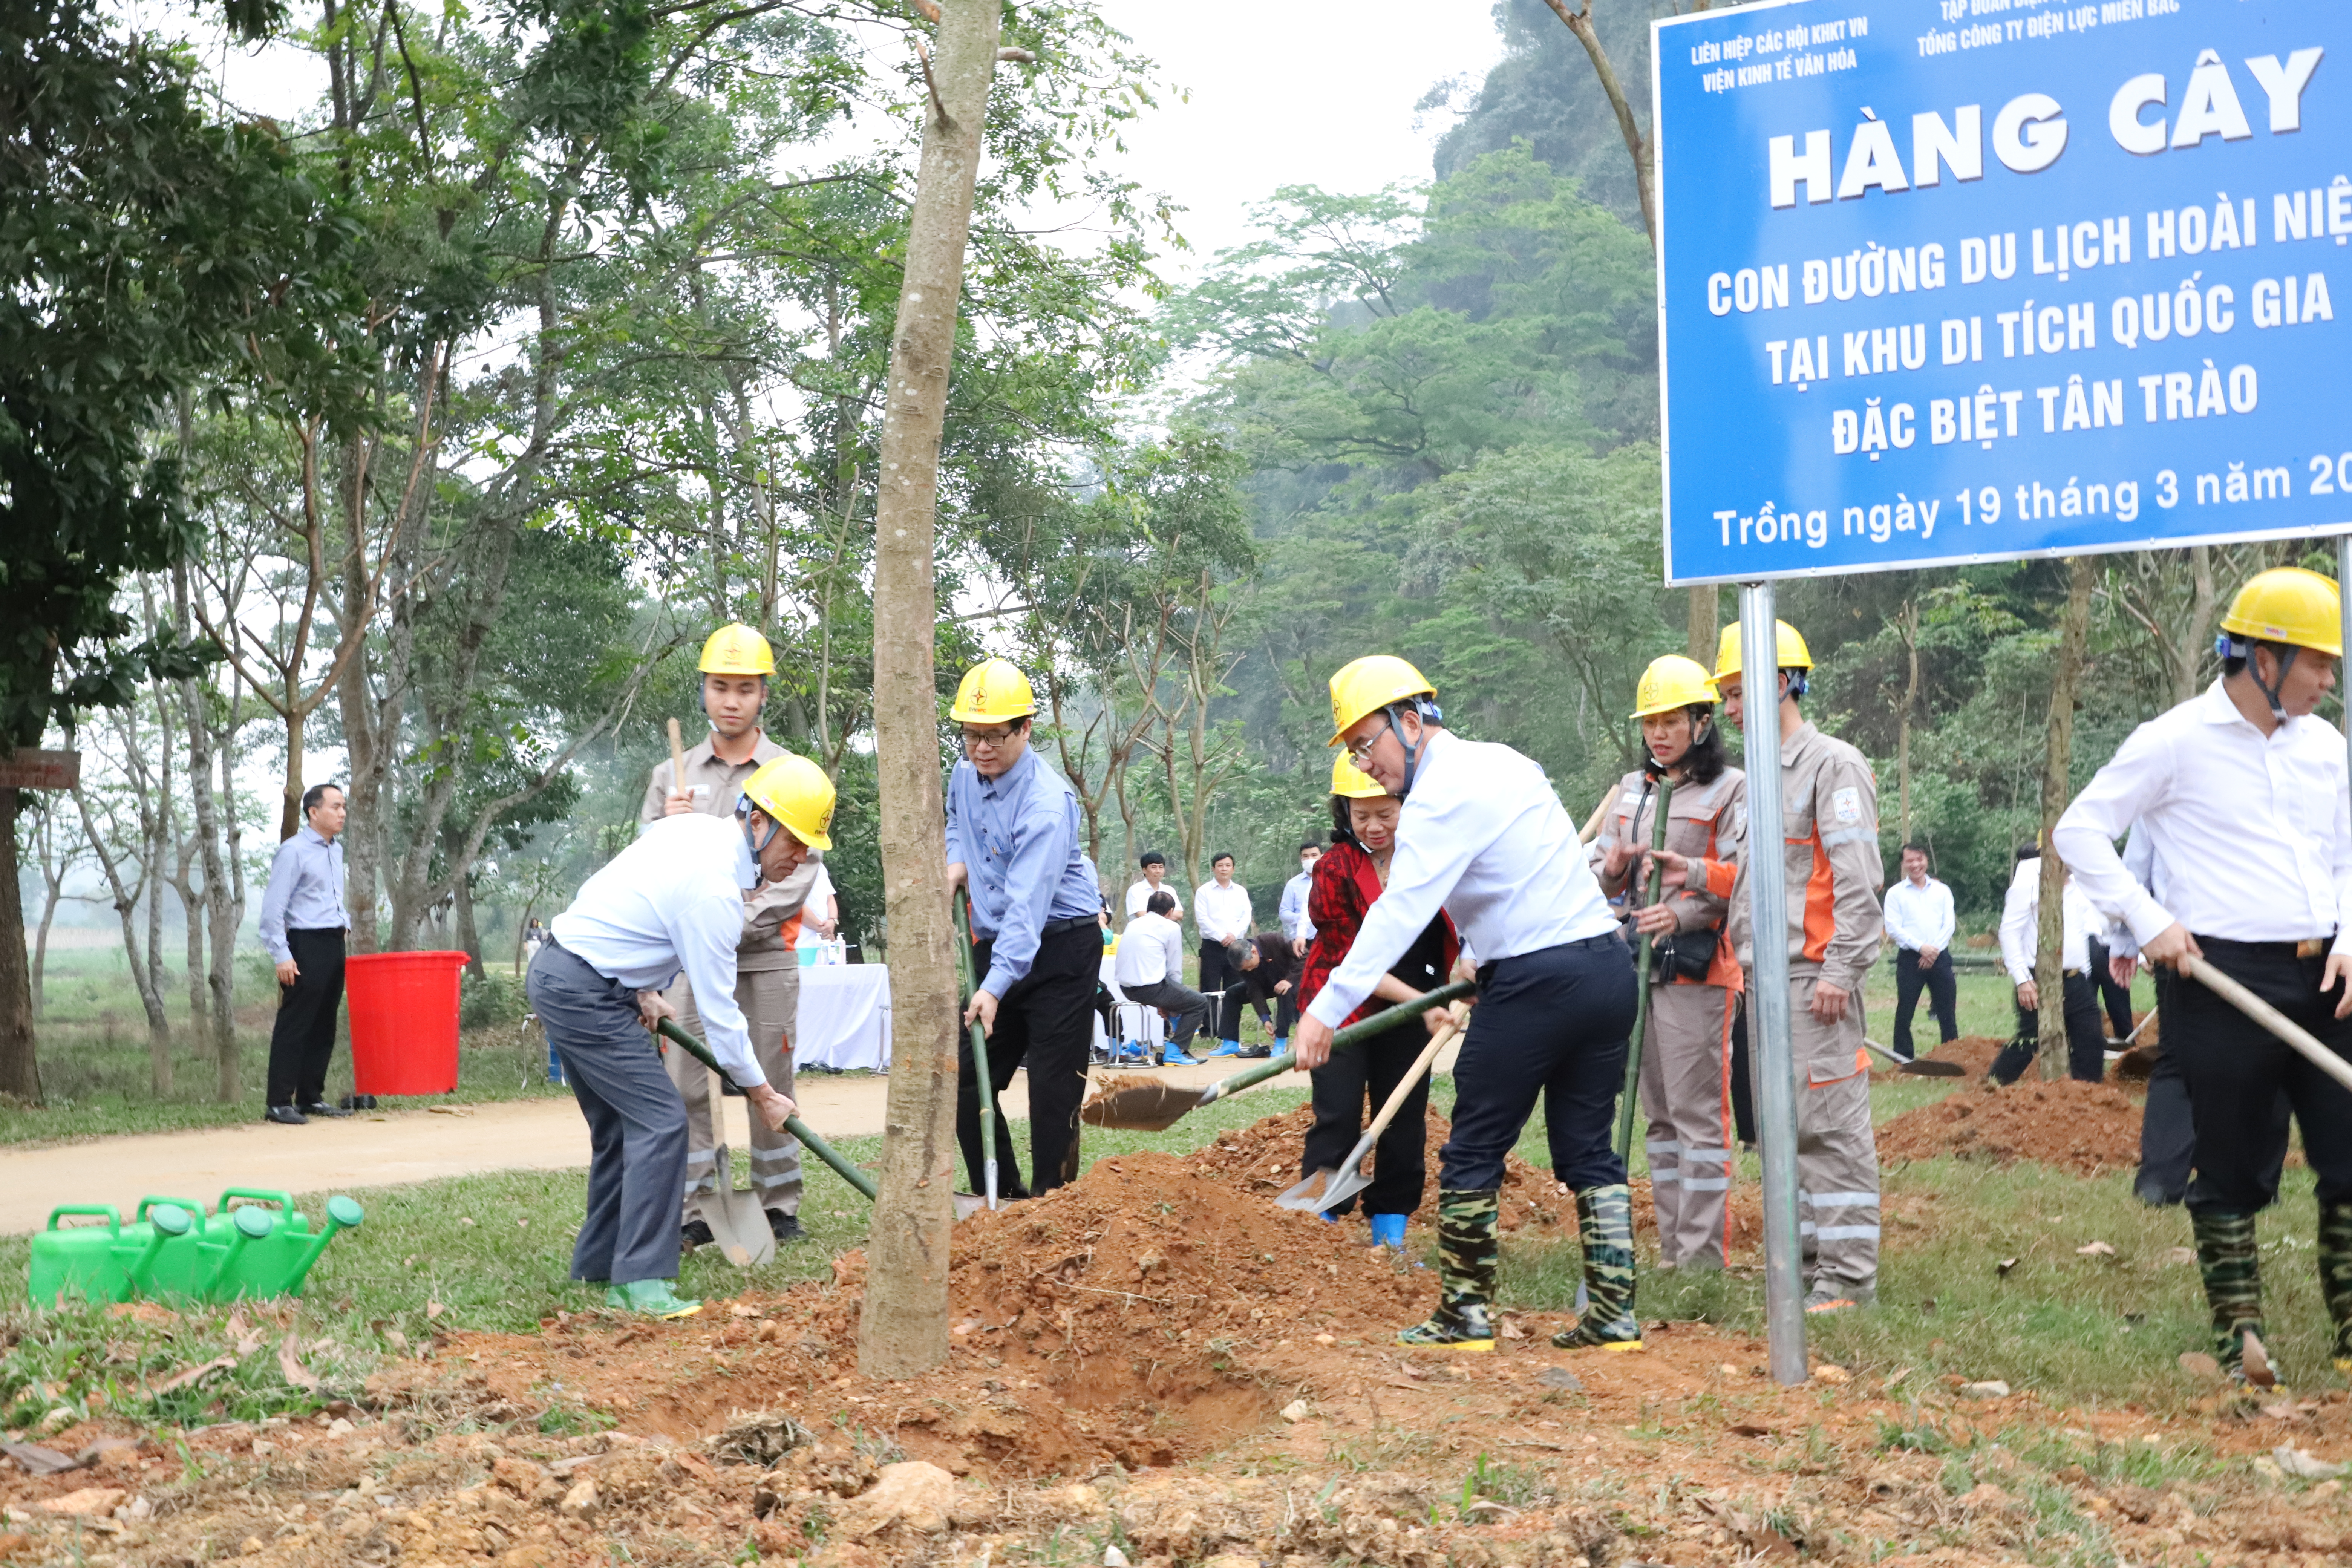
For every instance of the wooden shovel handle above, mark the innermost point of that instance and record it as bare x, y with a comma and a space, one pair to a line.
676, 760
1397, 1096
2268, 1016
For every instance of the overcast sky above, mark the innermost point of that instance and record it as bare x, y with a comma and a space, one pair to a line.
1285, 93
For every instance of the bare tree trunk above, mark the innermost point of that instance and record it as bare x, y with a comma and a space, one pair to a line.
902, 1327
20, 1070
126, 908
1703, 626
462, 892
2049, 968
1907, 622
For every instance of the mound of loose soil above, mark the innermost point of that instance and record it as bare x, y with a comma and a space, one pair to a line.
2083, 1128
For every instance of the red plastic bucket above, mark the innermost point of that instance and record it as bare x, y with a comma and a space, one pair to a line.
403, 1012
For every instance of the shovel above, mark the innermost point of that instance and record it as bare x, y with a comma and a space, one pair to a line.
2268, 1018
792, 1125
979, 1050
1919, 1067
1155, 1107
1328, 1189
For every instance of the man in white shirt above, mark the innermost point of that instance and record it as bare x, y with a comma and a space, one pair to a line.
1149, 969
1221, 909
1483, 837
2021, 947
1154, 865
1920, 921
2242, 795
672, 901
1298, 930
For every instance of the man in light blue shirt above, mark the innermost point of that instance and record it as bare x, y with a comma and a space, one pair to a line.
1013, 838
302, 925
672, 901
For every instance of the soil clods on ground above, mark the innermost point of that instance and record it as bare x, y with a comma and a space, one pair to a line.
1159, 1359
2083, 1128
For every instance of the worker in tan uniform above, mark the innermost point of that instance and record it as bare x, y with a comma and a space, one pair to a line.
1829, 831
736, 664
1695, 978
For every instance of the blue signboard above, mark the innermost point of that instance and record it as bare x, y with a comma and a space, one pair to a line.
1946, 281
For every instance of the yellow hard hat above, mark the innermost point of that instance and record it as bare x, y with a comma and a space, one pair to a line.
1670, 683
736, 649
1369, 684
1789, 650
1351, 782
794, 792
991, 691
2291, 605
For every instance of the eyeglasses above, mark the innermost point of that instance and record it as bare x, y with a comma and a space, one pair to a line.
1358, 751
986, 737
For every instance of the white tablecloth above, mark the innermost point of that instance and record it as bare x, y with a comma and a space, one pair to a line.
845, 1020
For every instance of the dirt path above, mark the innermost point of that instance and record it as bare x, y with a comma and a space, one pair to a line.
389, 1148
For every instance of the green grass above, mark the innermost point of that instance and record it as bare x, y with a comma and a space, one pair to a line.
490, 1252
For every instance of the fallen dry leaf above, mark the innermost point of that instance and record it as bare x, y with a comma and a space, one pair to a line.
2197, 1364
39, 1460
2096, 1249
194, 1375
290, 1364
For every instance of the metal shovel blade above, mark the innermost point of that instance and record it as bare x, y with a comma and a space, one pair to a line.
1330, 1188
738, 1224
1149, 1105
1919, 1067
968, 1205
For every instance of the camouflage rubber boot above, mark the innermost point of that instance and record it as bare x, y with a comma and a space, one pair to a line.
1467, 1257
1604, 1222
2233, 1283
2336, 1278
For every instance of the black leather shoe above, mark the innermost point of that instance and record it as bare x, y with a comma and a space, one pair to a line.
322, 1108
286, 1116
695, 1233
784, 1226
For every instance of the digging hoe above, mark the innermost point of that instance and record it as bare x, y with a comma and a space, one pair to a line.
1155, 1107
1919, 1067
1328, 1189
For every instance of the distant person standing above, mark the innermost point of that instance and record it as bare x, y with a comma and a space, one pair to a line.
302, 925
1298, 930
1221, 910
2021, 945
1921, 921
1139, 892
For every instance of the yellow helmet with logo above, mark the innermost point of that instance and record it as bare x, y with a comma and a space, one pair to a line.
1351, 782
1671, 682
992, 690
1789, 651
2289, 604
794, 792
736, 649
1369, 684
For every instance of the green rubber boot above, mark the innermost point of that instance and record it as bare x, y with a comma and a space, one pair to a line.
2233, 1283
1466, 1259
653, 1298
2336, 1279
1604, 1223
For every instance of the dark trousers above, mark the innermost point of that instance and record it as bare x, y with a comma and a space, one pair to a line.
1216, 973
1552, 1023
303, 1038
1047, 1023
2167, 1130
2114, 995
2086, 1046
1943, 996
2236, 1071
1286, 1011
1190, 1009
1342, 1087
1743, 1088
636, 1122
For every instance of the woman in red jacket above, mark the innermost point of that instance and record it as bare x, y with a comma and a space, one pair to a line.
1346, 882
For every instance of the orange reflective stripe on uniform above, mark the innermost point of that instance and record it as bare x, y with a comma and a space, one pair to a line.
1821, 900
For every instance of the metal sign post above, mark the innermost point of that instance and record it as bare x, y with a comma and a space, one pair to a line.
1768, 1003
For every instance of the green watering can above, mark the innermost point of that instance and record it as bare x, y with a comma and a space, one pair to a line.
172, 1249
